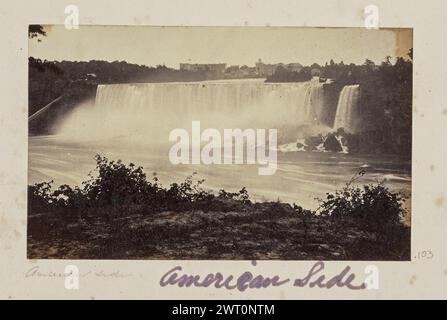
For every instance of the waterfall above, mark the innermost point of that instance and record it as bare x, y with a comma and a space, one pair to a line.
301, 102
155, 108
347, 115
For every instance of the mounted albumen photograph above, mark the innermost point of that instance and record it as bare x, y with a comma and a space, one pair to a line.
219, 143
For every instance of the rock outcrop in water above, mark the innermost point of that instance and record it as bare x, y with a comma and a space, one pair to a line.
331, 143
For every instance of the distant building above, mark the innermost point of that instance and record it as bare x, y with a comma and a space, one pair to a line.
264, 69
236, 72
232, 69
212, 69
220, 70
246, 71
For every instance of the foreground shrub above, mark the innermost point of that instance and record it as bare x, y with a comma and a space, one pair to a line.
242, 195
124, 189
371, 204
116, 185
40, 197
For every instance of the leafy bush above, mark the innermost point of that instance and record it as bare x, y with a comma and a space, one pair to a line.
371, 204
117, 184
242, 195
40, 197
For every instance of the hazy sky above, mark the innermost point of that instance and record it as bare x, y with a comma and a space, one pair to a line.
233, 45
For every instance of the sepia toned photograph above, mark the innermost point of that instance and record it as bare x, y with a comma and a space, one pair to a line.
219, 143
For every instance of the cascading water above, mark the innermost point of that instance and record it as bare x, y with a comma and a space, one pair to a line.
153, 108
347, 116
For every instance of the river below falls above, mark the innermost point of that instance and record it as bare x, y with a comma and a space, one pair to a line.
301, 177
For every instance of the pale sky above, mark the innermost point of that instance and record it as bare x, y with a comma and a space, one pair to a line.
233, 45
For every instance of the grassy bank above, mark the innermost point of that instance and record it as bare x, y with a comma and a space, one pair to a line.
120, 214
